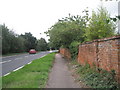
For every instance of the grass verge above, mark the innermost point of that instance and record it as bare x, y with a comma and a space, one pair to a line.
94, 79
34, 75
12, 54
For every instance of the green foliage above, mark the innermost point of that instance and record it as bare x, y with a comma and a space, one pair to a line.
67, 30
14, 43
81, 28
11, 42
30, 41
100, 25
74, 49
34, 75
5, 39
42, 45
102, 79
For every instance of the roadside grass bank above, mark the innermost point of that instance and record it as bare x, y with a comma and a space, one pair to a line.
34, 75
93, 79
12, 54
0, 83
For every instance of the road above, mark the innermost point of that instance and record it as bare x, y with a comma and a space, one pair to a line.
15, 62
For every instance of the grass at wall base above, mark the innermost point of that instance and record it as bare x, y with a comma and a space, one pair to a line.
95, 79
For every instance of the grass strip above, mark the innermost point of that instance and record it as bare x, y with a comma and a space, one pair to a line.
34, 75
12, 54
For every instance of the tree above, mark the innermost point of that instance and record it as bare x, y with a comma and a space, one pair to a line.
0, 40
67, 30
19, 44
5, 39
42, 45
116, 17
30, 41
14, 43
99, 27
11, 42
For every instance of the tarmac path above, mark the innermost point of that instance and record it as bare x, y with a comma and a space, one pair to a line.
60, 76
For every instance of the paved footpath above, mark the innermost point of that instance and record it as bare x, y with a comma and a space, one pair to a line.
60, 76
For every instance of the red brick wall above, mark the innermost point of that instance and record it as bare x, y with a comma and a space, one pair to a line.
87, 53
65, 52
104, 53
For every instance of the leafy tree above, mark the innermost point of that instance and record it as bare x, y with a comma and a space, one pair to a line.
99, 27
11, 42
74, 49
116, 17
21, 44
42, 45
30, 41
5, 39
18, 44
67, 30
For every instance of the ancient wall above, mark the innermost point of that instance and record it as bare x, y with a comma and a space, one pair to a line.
65, 52
104, 53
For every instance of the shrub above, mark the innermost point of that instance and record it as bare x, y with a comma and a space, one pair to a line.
74, 49
95, 79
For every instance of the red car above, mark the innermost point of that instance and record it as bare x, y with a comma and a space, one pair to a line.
32, 51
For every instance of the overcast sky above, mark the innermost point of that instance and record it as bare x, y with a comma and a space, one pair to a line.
36, 16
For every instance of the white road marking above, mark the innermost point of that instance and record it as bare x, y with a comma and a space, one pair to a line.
18, 68
50, 51
18, 58
26, 56
43, 56
6, 74
21, 66
9, 56
14, 70
40, 57
32, 55
5, 61
29, 62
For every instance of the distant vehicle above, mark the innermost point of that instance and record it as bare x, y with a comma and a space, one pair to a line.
32, 51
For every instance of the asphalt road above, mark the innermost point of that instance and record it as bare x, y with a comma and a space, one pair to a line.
15, 62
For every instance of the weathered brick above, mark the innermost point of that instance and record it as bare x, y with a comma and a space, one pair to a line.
105, 53
65, 52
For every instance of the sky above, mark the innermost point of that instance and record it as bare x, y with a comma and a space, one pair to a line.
36, 16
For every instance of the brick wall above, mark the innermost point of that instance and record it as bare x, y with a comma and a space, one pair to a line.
104, 53
87, 53
65, 52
